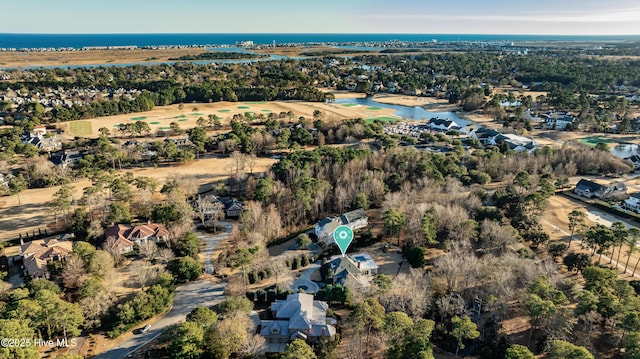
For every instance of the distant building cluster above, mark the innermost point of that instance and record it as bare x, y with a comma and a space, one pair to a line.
51, 98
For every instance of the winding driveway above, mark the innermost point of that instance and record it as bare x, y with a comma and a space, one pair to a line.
212, 242
201, 293
305, 280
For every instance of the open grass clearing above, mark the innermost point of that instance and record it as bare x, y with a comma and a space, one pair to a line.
594, 140
81, 128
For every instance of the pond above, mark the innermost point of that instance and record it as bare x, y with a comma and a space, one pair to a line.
406, 112
624, 150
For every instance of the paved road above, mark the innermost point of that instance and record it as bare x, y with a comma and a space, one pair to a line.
202, 293
305, 279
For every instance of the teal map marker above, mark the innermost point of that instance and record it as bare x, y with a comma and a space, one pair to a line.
343, 236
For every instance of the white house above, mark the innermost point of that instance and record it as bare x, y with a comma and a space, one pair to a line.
486, 136
632, 203
516, 143
355, 220
439, 124
559, 122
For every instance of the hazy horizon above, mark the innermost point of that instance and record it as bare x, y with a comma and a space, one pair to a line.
545, 17
321, 33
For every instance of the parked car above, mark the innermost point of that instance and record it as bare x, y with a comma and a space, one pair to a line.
146, 328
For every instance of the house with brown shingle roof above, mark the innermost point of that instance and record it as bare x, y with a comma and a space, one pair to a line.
125, 236
37, 254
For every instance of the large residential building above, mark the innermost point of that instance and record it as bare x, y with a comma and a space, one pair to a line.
357, 268
37, 255
355, 220
297, 317
125, 236
590, 189
632, 203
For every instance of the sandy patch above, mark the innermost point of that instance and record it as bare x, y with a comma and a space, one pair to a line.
32, 213
482, 119
92, 57
520, 92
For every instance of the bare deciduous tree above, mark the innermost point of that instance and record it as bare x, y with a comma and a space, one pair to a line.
149, 249
74, 272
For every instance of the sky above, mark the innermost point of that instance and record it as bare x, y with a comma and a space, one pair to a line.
545, 17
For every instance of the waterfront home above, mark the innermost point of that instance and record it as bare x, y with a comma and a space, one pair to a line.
439, 124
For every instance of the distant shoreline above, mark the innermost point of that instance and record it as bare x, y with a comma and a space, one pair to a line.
17, 41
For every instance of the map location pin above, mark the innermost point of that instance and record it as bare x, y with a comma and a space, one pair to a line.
343, 235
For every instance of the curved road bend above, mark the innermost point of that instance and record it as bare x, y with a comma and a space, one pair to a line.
201, 293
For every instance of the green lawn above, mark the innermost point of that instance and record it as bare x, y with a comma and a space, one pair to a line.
592, 141
181, 116
374, 108
154, 123
253, 102
182, 120
196, 114
244, 106
383, 119
141, 118
349, 104
81, 128
266, 111
224, 110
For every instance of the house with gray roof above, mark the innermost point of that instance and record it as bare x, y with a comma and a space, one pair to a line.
355, 220
297, 317
357, 268
590, 189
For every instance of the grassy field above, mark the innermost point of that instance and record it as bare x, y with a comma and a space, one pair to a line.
140, 118
80, 128
374, 108
244, 107
350, 104
592, 141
